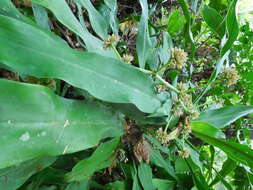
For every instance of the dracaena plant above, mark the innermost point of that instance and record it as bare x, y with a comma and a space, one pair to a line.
94, 98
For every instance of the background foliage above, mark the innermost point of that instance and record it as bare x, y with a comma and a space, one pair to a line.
126, 95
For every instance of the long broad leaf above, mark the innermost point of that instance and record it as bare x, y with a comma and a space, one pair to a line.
34, 123
235, 151
97, 21
232, 27
222, 117
8, 9
143, 44
66, 17
214, 20
101, 158
13, 177
145, 176
103, 77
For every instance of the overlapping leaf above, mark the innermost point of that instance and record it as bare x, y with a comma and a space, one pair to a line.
34, 123
143, 43
222, 117
103, 77
13, 177
235, 151
66, 17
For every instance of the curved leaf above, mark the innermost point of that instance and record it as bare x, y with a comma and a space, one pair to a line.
232, 27
100, 159
64, 14
13, 177
103, 77
97, 21
222, 117
214, 20
8, 9
143, 43
34, 123
235, 151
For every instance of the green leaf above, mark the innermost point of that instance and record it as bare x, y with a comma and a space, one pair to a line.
134, 173
66, 17
112, 10
222, 117
163, 184
235, 151
214, 20
227, 167
41, 16
103, 77
157, 159
97, 21
232, 27
117, 185
8, 9
203, 127
176, 22
143, 43
101, 158
165, 49
13, 177
83, 185
145, 176
35, 122
187, 14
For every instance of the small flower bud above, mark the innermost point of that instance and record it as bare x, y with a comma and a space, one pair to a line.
179, 58
111, 39
184, 153
230, 76
182, 86
127, 58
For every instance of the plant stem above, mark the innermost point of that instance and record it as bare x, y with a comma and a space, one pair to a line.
116, 51
166, 83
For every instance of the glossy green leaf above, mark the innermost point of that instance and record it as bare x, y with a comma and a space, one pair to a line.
66, 17
232, 27
222, 117
97, 21
13, 177
235, 151
203, 127
103, 77
145, 176
101, 158
143, 43
35, 122
214, 20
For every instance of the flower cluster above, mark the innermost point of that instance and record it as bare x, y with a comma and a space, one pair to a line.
184, 153
164, 137
230, 75
111, 40
127, 58
179, 58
